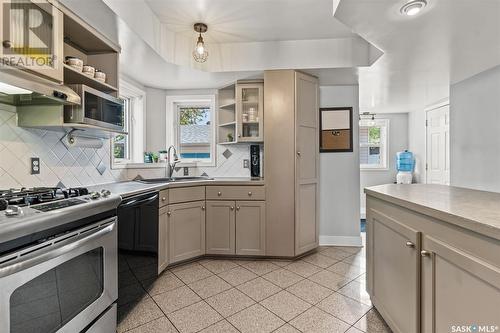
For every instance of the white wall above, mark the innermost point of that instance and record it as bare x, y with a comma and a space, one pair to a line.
339, 177
398, 141
474, 131
416, 142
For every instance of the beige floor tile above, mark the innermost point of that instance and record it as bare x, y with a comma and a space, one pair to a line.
282, 278
255, 319
361, 279
192, 273
131, 293
303, 268
136, 314
222, 326
356, 260
346, 269
353, 330
357, 291
320, 260
344, 308
237, 275
210, 286
176, 299
281, 262
187, 265
161, 324
285, 305
261, 267
217, 266
335, 253
165, 282
329, 279
351, 249
194, 317
315, 320
287, 328
372, 322
259, 289
310, 291
229, 302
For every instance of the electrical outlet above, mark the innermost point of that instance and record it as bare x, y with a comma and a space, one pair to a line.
246, 164
186, 171
35, 165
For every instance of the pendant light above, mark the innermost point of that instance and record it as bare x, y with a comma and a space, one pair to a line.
200, 53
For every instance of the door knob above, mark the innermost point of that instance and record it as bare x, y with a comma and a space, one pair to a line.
424, 253
410, 244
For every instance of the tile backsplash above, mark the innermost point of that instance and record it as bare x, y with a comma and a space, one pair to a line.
78, 166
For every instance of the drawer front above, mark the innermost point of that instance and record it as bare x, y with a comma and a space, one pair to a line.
236, 193
186, 194
163, 201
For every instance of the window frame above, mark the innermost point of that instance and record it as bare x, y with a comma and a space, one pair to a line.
134, 125
173, 105
384, 143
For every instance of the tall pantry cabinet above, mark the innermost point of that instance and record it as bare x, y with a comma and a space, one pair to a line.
291, 165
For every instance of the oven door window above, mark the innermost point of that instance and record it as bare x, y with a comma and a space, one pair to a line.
49, 301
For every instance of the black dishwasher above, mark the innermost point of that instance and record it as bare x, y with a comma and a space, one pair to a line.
138, 223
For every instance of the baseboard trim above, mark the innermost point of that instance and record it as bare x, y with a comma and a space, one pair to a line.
340, 241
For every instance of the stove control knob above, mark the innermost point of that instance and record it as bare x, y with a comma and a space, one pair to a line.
95, 195
105, 193
13, 211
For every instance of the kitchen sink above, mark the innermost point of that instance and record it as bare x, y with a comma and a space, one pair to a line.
173, 179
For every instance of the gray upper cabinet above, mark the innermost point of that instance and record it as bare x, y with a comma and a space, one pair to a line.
249, 111
393, 271
291, 162
220, 227
250, 228
457, 288
186, 230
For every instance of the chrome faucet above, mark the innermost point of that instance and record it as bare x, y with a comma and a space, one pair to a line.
171, 163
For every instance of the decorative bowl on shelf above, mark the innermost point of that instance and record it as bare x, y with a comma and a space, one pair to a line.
88, 70
74, 62
100, 76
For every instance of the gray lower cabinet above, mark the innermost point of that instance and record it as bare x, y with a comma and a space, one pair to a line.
162, 239
393, 271
220, 227
457, 289
251, 228
186, 231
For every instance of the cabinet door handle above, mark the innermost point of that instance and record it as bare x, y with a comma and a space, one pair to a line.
237, 207
298, 153
169, 213
202, 207
232, 207
250, 193
424, 253
410, 244
163, 199
219, 193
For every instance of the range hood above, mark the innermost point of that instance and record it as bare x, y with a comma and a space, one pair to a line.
19, 88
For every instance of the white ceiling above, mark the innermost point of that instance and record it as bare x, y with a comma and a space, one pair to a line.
252, 20
448, 42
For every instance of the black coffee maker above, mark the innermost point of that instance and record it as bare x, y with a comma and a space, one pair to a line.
255, 161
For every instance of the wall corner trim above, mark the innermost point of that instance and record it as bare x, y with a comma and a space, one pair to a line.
340, 240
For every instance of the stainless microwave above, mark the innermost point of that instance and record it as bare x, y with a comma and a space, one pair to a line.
96, 109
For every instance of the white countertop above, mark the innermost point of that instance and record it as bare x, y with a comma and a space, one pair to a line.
129, 188
478, 211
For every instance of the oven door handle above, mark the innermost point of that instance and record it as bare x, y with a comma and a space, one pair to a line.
54, 250
139, 202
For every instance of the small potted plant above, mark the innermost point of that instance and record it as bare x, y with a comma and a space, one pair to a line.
230, 137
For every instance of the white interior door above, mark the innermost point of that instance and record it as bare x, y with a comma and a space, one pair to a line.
438, 146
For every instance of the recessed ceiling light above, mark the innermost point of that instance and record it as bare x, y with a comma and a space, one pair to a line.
414, 7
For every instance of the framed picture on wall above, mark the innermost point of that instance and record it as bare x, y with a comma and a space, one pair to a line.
335, 134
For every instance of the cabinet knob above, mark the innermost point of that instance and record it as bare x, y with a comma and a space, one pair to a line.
298, 153
219, 193
163, 199
239, 135
424, 253
410, 244
202, 207
237, 207
169, 213
232, 207
250, 193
